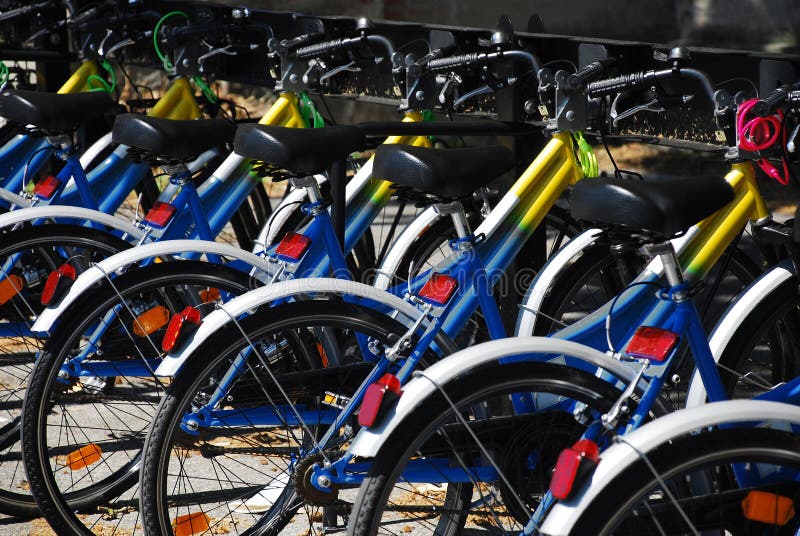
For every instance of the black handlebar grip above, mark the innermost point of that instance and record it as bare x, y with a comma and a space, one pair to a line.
320, 49
768, 105
462, 60
620, 83
579, 79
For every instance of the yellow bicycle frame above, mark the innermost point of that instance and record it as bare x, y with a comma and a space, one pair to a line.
709, 239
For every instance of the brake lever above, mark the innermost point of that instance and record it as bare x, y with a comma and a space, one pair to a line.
652, 106
121, 44
215, 52
350, 67
491, 87
483, 90
453, 79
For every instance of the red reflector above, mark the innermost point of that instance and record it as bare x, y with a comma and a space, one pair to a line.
46, 187
573, 465
293, 247
180, 327
652, 343
438, 290
160, 214
57, 284
378, 396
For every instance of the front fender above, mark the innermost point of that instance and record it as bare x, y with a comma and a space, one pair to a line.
44, 323
249, 301
412, 232
620, 456
545, 279
734, 316
73, 213
368, 441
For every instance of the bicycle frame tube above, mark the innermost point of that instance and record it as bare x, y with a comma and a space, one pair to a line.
510, 225
365, 197
78, 82
177, 102
698, 250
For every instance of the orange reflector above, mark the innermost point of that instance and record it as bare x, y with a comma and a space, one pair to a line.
84, 457
210, 295
9, 288
323, 355
190, 524
151, 321
770, 508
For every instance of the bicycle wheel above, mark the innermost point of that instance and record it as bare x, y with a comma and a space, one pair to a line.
27, 257
597, 276
472, 443
689, 486
91, 397
229, 453
764, 349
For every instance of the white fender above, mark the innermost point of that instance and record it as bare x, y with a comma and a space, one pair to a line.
401, 244
369, 441
246, 302
621, 455
733, 317
550, 272
74, 213
93, 150
49, 316
279, 216
544, 280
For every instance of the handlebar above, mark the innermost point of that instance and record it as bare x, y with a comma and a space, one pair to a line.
320, 49
475, 58
24, 10
769, 104
643, 79
579, 79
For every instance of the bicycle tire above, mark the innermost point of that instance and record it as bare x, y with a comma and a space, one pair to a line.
418, 432
15, 499
162, 489
772, 325
58, 503
562, 306
691, 458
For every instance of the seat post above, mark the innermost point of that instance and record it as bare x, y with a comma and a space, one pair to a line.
456, 211
337, 176
672, 271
